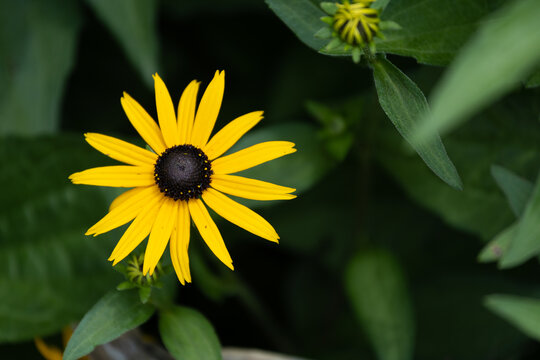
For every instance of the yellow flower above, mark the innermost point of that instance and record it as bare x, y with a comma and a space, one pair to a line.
185, 169
357, 23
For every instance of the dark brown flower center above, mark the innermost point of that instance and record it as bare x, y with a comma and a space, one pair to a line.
183, 172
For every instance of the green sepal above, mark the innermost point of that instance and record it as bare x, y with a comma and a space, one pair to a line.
323, 33
334, 44
126, 285
356, 55
329, 7
389, 25
144, 294
373, 47
328, 20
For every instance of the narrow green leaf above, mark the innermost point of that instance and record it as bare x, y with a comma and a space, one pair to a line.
510, 43
522, 312
432, 31
377, 290
497, 247
37, 48
51, 273
133, 22
188, 335
113, 315
526, 243
516, 189
404, 103
303, 17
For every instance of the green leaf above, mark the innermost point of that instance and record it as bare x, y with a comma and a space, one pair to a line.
113, 315
522, 312
526, 243
37, 48
404, 103
188, 335
432, 31
516, 189
511, 42
302, 17
51, 273
497, 247
506, 134
133, 22
378, 293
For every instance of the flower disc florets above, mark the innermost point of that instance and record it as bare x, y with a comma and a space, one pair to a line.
357, 23
182, 172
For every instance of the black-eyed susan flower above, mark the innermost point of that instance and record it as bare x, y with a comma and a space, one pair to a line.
185, 172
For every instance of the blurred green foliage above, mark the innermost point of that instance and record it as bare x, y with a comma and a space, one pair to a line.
377, 256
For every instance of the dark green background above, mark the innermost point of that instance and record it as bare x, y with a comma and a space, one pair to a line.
364, 197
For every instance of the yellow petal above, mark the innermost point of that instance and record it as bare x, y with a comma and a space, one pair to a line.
239, 215
121, 198
116, 176
229, 135
165, 111
143, 123
138, 230
186, 112
160, 234
208, 110
180, 243
131, 206
121, 150
48, 352
251, 188
209, 231
252, 156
